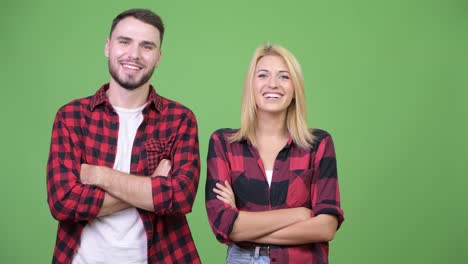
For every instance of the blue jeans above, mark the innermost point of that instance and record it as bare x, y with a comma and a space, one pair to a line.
237, 255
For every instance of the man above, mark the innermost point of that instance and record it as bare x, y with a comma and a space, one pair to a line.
124, 164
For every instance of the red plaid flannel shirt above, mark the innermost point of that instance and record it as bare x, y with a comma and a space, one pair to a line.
86, 131
301, 178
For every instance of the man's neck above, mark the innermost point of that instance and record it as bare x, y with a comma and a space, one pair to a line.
121, 97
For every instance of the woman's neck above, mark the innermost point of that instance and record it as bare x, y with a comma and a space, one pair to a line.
271, 125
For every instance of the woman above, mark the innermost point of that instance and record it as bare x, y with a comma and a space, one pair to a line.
272, 192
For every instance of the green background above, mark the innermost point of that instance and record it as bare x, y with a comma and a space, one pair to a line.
387, 79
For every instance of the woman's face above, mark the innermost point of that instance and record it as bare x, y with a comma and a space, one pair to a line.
272, 85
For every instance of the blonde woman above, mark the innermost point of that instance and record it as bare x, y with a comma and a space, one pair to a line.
272, 192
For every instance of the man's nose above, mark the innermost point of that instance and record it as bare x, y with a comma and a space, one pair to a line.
134, 52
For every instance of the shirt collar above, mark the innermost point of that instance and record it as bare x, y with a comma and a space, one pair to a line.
100, 97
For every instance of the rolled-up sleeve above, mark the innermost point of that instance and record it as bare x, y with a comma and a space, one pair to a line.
325, 189
176, 193
220, 215
67, 197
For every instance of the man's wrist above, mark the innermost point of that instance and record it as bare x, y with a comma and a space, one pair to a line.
102, 177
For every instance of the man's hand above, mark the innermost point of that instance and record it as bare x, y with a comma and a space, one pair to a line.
94, 175
163, 168
91, 174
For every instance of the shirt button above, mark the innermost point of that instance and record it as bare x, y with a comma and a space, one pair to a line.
273, 260
276, 167
112, 147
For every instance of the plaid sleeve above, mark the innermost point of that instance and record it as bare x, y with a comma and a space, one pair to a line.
220, 215
68, 199
175, 194
325, 190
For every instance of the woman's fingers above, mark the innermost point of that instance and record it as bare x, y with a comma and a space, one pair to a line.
224, 200
225, 193
224, 188
226, 183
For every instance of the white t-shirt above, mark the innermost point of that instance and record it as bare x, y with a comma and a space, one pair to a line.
119, 237
269, 175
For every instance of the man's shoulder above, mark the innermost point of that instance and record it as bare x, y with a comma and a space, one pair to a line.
174, 107
75, 106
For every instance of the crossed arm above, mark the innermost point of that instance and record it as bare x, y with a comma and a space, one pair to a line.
122, 190
82, 192
290, 226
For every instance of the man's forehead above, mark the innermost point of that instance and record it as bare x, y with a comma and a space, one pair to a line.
133, 28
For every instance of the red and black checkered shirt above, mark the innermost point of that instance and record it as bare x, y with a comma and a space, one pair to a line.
301, 178
86, 131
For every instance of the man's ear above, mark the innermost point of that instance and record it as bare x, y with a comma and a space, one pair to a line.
159, 60
106, 48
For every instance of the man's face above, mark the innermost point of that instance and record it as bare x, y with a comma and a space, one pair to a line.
133, 51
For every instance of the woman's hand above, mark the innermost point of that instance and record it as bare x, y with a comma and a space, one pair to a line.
225, 193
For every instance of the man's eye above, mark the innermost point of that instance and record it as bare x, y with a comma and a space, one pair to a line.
123, 42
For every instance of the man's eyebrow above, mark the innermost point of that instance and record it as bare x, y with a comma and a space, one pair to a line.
145, 42
151, 43
123, 38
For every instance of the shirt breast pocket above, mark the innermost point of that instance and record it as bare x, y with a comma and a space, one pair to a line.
299, 188
156, 150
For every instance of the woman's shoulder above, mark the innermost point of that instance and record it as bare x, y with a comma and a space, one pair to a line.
319, 136
224, 133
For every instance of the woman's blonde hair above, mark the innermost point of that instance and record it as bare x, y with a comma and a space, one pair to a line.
296, 122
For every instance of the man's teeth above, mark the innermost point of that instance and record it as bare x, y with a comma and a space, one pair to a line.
131, 67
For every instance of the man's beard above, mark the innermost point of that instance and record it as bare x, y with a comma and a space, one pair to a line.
130, 84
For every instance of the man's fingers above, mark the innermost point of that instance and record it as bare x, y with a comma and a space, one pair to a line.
85, 173
165, 162
163, 169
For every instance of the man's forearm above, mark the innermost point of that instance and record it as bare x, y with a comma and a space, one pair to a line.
131, 189
111, 205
